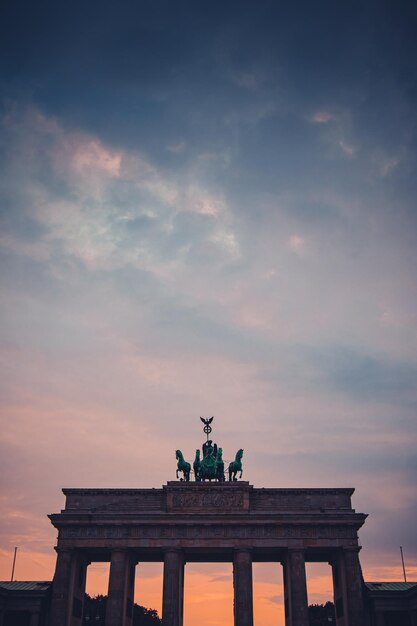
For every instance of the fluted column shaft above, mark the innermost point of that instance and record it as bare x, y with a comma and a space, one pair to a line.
119, 610
68, 589
173, 589
295, 589
243, 588
348, 588
354, 585
340, 588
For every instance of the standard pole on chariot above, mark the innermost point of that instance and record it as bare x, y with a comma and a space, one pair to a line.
207, 428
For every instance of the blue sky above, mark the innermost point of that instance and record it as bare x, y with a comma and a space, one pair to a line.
209, 208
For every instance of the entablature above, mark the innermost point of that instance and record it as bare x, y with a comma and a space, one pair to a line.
209, 499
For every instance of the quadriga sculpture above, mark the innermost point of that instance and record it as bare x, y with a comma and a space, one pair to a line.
211, 465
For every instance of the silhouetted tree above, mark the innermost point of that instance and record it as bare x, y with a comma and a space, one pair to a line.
95, 613
322, 614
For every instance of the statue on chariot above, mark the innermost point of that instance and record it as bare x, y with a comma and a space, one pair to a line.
211, 466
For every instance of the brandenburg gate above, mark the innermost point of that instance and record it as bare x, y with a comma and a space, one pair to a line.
206, 521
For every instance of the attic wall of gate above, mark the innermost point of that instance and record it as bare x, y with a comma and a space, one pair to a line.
185, 522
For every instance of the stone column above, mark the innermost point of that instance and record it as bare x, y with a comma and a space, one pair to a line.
339, 588
348, 588
355, 588
119, 610
61, 588
182, 575
130, 595
68, 588
80, 578
242, 586
173, 588
295, 588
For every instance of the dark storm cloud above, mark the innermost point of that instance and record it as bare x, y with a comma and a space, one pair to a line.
188, 68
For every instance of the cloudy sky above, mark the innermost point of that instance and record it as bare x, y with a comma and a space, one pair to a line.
208, 208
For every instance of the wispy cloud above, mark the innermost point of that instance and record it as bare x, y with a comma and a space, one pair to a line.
107, 207
348, 149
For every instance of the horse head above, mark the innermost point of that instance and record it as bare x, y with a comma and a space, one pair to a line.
239, 454
219, 454
178, 454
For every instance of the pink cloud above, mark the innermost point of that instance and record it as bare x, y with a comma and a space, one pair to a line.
91, 154
297, 243
322, 117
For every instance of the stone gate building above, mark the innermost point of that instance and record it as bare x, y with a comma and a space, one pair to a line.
204, 521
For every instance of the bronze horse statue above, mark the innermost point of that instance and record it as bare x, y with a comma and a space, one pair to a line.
236, 466
183, 466
197, 465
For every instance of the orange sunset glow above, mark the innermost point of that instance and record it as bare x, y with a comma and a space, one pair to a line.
208, 587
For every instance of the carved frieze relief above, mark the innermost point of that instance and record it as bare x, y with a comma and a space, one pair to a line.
206, 500
213, 531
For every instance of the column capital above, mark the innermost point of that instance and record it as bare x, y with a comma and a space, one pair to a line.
173, 549
119, 550
60, 550
293, 549
242, 552
351, 549
289, 553
129, 553
175, 552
